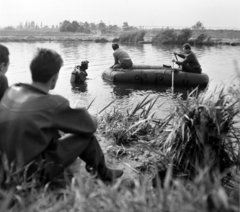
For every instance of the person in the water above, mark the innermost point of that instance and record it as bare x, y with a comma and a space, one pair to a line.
79, 73
190, 62
121, 58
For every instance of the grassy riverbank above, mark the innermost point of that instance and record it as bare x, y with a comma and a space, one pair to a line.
195, 37
143, 146
33, 36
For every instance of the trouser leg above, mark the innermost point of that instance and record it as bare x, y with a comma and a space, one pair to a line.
187, 68
64, 151
126, 64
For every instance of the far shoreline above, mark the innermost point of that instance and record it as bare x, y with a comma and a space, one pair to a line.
231, 38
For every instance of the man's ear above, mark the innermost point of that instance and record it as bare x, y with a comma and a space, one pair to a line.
54, 80
2, 65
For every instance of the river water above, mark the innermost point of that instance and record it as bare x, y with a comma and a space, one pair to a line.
221, 63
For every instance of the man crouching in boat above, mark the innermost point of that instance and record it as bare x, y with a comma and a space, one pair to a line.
121, 58
190, 62
30, 122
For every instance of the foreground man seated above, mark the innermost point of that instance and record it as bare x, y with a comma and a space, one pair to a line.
30, 121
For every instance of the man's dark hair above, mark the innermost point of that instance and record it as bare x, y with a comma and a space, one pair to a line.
115, 46
187, 46
45, 64
4, 53
84, 65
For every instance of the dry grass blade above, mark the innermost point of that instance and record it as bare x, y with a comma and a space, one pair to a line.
140, 106
106, 107
91, 103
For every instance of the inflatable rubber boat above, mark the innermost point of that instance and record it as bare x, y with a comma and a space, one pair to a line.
158, 75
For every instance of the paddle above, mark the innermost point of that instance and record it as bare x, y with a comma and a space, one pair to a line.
176, 59
173, 78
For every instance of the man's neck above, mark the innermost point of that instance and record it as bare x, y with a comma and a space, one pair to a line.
43, 87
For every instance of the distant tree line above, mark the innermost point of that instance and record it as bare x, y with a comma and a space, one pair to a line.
85, 27
31, 25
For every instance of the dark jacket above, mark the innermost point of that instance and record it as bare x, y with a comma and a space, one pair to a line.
3, 84
190, 59
30, 119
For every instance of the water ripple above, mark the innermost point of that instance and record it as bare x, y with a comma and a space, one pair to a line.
218, 62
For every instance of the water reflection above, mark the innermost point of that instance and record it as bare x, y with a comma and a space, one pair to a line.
125, 90
219, 62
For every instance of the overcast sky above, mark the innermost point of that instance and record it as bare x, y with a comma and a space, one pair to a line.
173, 13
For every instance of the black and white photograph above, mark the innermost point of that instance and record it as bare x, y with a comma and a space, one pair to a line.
126, 106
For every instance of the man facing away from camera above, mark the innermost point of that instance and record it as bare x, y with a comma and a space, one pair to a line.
31, 118
121, 58
4, 63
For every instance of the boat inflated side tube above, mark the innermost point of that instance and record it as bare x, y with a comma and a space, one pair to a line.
161, 76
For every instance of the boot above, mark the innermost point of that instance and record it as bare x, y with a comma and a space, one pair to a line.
95, 162
104, 173
109, 175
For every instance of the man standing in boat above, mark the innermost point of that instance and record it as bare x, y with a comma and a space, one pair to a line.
190, 62
121, 58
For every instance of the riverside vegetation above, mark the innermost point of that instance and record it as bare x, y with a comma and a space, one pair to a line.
172, 36
189, 161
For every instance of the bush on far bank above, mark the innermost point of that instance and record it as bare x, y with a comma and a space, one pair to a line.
171, 36
132, 37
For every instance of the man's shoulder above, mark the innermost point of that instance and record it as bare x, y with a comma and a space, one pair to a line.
33, 98
192, 54
2, 76
57, 99
117, 51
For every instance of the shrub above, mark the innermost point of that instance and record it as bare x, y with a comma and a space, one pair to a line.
184, 35
115, 40
203, 134
132, 37
200, 38
166, 36
101, 40
170, 36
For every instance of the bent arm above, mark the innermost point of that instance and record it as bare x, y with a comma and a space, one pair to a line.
185, 61
115, 59
75, 121
181, 55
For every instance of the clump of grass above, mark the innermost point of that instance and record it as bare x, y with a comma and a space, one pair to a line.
132, 37
135, 194
203, 133
127, 126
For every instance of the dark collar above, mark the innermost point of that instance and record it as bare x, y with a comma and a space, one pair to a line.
30, 87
